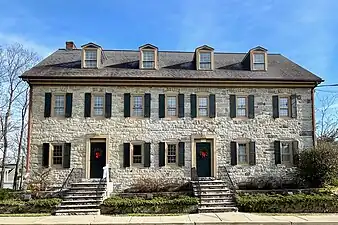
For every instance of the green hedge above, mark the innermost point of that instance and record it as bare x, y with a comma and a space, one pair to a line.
118, 205
32, 206
296, 203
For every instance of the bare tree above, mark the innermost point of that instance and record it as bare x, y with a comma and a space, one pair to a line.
24, 107
327, 118
14, 60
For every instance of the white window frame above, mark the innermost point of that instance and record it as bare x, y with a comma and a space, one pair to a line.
91, 60
93, 105
254, 63
289, 144
284, 108
167, 154
52, 155
141, 164
167, 96
204, 62
153, 61
132, 110
54, 104
198, 106
246, 106
246, 152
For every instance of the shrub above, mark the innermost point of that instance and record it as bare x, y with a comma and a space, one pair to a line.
39, 182
150, 185
118, 205
7, 194
32, 206
297, 203
319, 165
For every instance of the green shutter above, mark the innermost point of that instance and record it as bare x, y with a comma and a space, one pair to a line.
275, 106
161, 154
180, 105
48, 104
252, 153
45, 154
233, 152
126, 155
146, 154
293, 106
295, 153
193, 105
66, 155
232, 106
277, 153
251, 106
147, 109
212, 106
181, 155
126, 104
87, 108
161, 105
107, 107
69, 105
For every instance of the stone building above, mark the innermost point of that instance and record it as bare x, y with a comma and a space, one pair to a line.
151, 113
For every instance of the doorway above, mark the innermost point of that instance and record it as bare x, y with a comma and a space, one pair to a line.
203, 159
97, 159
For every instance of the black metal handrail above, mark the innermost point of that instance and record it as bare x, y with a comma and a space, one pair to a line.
194, 177
229, 178
65, 183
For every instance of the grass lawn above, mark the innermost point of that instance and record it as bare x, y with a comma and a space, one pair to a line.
146, 214
25, 215
295, 214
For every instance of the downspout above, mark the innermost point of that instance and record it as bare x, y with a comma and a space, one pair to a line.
29, 129
313, 116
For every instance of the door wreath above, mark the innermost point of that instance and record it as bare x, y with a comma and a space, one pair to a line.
203, 153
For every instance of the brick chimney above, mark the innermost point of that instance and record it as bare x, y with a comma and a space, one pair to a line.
70, 45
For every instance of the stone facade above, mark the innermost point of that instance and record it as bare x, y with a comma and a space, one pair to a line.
263, 129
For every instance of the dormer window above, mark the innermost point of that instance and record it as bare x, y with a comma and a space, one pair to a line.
148, 56
204, 57
90, 58
148, 59
258, 61
205, 60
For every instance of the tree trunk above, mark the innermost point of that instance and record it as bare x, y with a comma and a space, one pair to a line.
5, 129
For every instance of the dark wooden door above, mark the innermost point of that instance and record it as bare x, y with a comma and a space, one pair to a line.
203, 159
97, 159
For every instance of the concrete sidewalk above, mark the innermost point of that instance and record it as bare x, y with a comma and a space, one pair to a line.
192, 219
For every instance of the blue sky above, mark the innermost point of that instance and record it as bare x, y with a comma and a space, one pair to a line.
306, 31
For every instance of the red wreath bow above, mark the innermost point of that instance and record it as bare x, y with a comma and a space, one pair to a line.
203, 154
97, 155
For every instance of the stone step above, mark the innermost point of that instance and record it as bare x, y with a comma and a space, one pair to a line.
206, 178
81, 202
83, 197
87, 188
85, 192
79, 206
65, 212
221, 200
209, 182
217, 209
212, 194
216, 204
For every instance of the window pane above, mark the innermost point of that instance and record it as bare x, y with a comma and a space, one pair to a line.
241, 102
148, 56
286, 158
202, 102
137, 154
171, 105
137, 106
171, 153
259, 66
90, 54
285, 148
148, 64
241, 112
205, 57
242, 156
259, 58
91, 63
98, 105
59, 106
205, 65
57, 154
284, 106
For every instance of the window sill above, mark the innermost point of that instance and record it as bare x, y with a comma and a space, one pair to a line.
172, 166
137, 166
204, 118
241, 118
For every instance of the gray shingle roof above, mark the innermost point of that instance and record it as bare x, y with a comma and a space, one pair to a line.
179, 65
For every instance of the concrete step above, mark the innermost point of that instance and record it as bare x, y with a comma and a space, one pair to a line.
209, 182
85, 192
88, 183
81, 202
87, 188
65, 212
79, 206
79, 197
217, 209
215, 194
216, 204
217, 200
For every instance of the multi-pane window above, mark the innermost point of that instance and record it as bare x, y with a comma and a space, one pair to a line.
138, 105
91, 58
242, 153
171, 153
203, 106
171, 106
259, 61
286, 152
57, 155
98, 105
284, 106
205, 60
241, 106
148, 60
59, 105
137, 154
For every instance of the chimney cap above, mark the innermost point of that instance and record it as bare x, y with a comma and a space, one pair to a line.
70, 45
